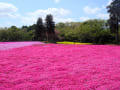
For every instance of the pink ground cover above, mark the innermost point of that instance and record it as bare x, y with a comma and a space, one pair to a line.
11, 45
60, 67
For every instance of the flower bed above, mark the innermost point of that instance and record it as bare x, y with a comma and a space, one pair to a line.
65, 42
11, 45
60, 67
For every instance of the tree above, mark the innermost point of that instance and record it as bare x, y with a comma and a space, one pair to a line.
39, 29
92, 31
114, 10
3, 35
50, 27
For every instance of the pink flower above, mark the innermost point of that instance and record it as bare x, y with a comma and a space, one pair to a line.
59, 67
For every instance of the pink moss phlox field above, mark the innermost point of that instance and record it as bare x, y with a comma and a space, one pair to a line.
11, 45
60, 67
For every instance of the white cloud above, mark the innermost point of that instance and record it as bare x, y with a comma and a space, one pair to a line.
58, 13
57, 1
28, 20
84, 18
90, 10
106, 4
7, 10
54, 11
7, 7
103, 16
109, 2
64, 20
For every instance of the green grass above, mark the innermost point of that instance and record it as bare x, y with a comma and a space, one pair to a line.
65, 42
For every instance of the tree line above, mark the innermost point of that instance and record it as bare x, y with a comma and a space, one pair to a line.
36, 32
91, 31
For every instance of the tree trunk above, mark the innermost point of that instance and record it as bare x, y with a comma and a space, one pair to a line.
117, 37
47, 36
117, 33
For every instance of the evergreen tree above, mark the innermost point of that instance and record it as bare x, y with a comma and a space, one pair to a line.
50, 24
39, 29
50, 27
114, 10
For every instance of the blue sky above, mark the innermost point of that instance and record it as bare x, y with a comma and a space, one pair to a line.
26, 12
